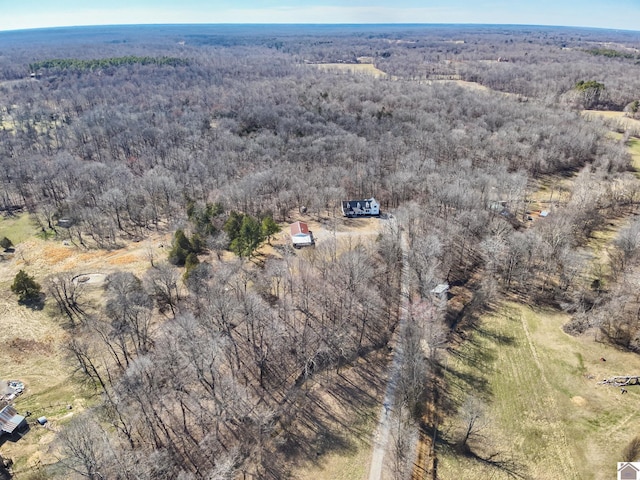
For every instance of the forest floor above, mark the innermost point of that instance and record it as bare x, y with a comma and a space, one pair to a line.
390, 412
33, 340
367, 380
346, 406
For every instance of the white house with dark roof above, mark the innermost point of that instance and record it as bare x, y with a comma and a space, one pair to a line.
360, 208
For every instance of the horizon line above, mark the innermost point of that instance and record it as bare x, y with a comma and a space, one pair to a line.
318, 24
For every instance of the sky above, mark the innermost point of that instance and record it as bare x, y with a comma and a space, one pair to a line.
21, 14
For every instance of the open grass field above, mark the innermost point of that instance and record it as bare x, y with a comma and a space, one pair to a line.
634, 149
617, 118
549, 418
17, 228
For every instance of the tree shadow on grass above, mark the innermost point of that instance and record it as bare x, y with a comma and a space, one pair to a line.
315, 433
338, 412
467, 382
35, 303
469, 366
496, 337
499, 461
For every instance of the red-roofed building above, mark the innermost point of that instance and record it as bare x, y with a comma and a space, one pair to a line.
301, 236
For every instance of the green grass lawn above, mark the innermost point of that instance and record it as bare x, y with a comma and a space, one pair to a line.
547, 416
18, 228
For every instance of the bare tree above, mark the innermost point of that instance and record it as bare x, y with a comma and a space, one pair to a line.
163, 282
473, 422
68, 289
86, 450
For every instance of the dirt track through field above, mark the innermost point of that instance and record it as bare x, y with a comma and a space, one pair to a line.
564, 462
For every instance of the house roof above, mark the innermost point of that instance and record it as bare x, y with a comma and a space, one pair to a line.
440, 288
351, 204
9, 419
299, 228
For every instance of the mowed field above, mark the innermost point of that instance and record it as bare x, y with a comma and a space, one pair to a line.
546, 415
634, 149
619, 118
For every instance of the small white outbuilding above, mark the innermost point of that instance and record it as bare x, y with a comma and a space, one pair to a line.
301, 236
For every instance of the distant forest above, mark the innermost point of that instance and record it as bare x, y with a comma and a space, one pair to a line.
125, 131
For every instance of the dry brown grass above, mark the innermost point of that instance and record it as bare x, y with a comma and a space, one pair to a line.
55, 254
125, 259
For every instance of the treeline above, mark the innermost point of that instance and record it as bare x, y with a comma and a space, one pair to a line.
101, 63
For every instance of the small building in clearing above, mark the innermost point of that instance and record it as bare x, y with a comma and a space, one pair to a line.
301, 236
360, 208
440, 291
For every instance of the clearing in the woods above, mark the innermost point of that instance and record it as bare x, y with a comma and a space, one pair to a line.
352, 68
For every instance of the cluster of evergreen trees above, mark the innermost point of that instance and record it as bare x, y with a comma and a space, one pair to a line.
96, 63
243, 233
247, 233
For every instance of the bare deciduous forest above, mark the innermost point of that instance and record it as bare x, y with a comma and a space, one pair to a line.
216, 362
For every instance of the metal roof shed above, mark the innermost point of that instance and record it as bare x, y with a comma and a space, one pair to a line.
440, 289
10, 420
